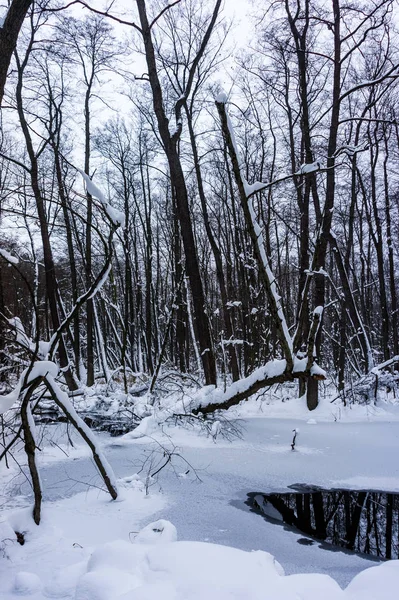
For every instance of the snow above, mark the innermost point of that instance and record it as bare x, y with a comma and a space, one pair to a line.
116, 216
40, 368
63, 399
20, 334
318, 371
252, 188
26, 583
221, 98
307, 168
160, 532
147, 426
24, 340
151, 568
190, 541
101, 282
6, 255
376, 583
210, 395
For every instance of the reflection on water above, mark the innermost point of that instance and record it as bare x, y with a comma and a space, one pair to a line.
361, 520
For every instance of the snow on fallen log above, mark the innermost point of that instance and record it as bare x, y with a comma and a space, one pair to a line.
209, 398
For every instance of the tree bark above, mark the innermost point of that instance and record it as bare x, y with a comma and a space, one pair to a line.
9, 35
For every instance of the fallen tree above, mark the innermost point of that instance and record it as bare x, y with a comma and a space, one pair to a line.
292, 366
210, 399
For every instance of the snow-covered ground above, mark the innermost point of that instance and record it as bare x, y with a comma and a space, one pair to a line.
88, 547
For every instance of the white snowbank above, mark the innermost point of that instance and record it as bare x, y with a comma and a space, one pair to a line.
26, 583
155, 565
173, 570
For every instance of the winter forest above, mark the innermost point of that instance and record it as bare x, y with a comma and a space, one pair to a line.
199, 215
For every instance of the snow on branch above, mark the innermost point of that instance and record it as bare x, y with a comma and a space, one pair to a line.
209, 399
8, 257
307, 168
391, 75
39, 348
116, 216
38, 369
62, 400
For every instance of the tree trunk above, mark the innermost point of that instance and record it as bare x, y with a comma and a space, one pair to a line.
201, 321
9, 35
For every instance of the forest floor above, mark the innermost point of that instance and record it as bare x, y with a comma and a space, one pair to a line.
202, 491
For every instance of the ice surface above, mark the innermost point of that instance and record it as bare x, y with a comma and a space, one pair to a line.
87, 547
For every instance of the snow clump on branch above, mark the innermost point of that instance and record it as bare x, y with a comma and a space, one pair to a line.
42, 368
116, 216
8, 257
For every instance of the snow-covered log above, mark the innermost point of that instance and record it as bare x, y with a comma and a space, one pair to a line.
209, 399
